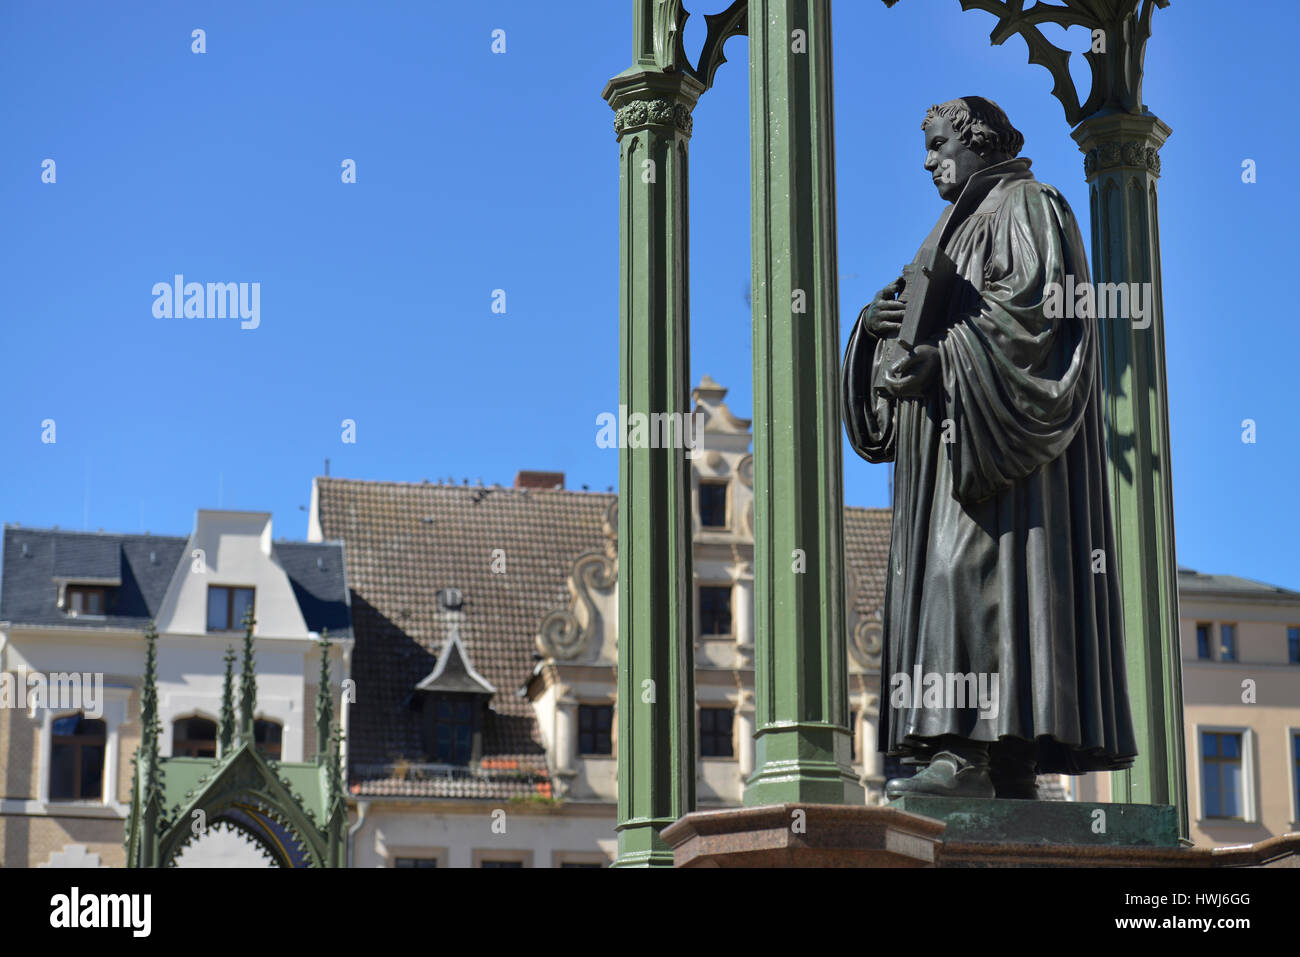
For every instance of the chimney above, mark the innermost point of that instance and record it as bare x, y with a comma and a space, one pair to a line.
546, 480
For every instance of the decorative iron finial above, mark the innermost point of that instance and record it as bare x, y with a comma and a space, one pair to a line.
226, 734
149, 724
247, 683
334, 799
324, 701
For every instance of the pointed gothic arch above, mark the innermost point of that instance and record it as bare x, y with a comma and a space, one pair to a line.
293, 811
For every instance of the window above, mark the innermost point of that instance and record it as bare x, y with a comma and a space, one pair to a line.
416, 862
581, 864
715, 733
194, 738
77, 758
594, 724
1293, 645
1203, 642
266, 736
227, 607
713, 504
1227, 642
85, 600
715, 610
453, 729
1221, 770
501, 864
1295, 771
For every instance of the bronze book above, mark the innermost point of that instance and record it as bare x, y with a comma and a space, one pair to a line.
927, 288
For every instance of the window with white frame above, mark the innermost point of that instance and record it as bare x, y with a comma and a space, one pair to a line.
227, 606
194, 737
1227, 642
1203, 641
715, 611
715, 733
1295, 774
77, 747
1222, 775
595, 729
713, 504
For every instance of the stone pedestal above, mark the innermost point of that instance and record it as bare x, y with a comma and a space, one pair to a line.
804, 835
1079, 824
975, 833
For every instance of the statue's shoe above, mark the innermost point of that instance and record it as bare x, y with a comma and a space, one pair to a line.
947, 776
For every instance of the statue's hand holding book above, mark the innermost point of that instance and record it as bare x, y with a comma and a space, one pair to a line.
915, 317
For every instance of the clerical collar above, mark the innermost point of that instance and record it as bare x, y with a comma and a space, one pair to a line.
980, 184
977, 189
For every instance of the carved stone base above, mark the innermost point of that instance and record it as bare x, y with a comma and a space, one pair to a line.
1079, 823
804, 835
831, 835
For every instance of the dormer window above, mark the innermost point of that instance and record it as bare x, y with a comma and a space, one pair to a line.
86, 600
454, 698
452, 740
227, 606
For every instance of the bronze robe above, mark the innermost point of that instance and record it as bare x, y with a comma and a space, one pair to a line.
994, 530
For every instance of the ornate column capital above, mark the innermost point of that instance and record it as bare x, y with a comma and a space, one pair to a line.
1130, 140
650, 99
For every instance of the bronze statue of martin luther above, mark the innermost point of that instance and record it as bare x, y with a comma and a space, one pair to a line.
1001, 569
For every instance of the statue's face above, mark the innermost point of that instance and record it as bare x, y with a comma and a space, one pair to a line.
949, 161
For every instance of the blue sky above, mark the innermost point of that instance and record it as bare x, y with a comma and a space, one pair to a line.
479, 171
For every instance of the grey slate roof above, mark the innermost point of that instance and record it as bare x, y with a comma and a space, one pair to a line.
1192, 582
144, 564
318, 573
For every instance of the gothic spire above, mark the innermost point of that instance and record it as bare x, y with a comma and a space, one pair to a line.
247, 683
151, 770
324, 702
226, 734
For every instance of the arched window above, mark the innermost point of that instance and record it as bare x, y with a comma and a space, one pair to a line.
266, 735
77, 758
194, 738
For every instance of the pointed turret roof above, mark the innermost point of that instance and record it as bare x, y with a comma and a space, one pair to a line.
454, 671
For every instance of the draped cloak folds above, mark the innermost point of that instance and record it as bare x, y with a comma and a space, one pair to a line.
1002, 557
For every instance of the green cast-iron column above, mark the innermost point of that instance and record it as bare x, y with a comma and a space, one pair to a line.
801, 738
656, 680
1122, 164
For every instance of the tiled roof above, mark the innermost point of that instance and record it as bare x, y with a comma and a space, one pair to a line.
866, 553
492, 780
406, 542
34, 558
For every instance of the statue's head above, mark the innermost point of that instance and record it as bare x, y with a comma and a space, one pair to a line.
962, 137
